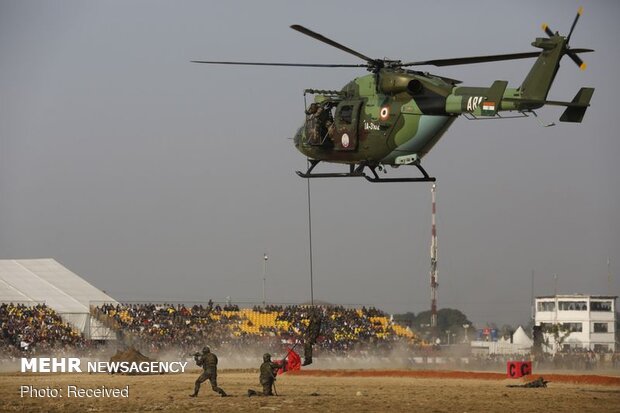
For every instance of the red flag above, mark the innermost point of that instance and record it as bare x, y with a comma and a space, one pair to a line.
291, 362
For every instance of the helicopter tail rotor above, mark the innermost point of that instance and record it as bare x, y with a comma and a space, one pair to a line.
538, 81
571, 53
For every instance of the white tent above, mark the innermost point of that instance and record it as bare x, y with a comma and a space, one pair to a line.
520, 338
45, 281
521, 344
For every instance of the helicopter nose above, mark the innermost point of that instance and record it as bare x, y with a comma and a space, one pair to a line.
297, 137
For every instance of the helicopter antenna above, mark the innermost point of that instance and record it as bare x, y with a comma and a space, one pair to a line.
541, 122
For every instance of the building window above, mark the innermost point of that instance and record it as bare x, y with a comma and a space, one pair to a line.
601, 328
546, 306
601, 348
600, 306
573, 306
573, 327
571, 347
546, 327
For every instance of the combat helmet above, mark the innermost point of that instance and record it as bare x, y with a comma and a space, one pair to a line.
266, 357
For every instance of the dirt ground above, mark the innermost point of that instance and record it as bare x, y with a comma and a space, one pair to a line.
324, 391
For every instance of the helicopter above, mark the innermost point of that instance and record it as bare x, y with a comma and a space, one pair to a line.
394, 115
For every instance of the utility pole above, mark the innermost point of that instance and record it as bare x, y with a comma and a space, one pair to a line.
532, 300
609, 276
266, 257
434, 284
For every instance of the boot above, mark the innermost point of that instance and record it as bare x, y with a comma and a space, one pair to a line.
307, 360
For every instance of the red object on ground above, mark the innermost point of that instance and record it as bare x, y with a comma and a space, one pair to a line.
516, 369
460, 375
291, 362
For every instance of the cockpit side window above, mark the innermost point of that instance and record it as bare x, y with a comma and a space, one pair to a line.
346, 114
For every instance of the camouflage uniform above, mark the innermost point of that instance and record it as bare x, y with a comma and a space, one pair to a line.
208, 362
312, 334
312, 125
318, 122
539, 382
268, 371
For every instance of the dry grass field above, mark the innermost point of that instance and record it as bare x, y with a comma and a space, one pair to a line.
319, 391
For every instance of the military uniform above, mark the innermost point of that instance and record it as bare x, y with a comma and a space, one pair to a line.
312, 334
318, 122
208, 362
267, 378
539, 382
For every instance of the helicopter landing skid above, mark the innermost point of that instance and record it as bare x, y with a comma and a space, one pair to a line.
353, 172
424, 178
358, 171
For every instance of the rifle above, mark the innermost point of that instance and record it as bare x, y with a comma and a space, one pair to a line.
198, 358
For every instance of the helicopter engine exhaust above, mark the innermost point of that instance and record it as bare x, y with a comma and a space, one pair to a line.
415, 87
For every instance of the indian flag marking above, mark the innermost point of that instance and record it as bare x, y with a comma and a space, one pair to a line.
488, 106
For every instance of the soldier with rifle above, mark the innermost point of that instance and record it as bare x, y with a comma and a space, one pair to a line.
208, 361
267, 378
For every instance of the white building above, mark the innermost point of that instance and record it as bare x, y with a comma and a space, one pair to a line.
586, 321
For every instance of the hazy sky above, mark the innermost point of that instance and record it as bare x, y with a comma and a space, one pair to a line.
158, 179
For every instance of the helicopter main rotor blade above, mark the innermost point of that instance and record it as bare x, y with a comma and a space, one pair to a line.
278, 64
473, 59
482, 59
330, 42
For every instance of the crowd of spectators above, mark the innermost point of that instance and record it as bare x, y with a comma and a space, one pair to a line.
577, 359
161, 327
342, 329
30, 330
158, 328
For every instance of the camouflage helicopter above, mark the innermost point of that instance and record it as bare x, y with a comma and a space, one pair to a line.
394, 116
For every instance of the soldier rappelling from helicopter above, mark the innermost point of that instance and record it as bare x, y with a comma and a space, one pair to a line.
312, 334
319, 120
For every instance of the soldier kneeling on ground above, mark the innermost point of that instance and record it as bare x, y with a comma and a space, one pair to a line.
208, 362
268, 372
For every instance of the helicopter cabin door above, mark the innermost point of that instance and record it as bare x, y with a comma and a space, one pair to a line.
345, 131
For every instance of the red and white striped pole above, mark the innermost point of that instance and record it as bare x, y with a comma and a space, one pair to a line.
434, 284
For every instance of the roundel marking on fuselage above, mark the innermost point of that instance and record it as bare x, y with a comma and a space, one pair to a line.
345, 140
385, 112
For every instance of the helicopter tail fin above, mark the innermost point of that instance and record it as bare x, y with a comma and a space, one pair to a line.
491, 105
538, 81
582, 101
